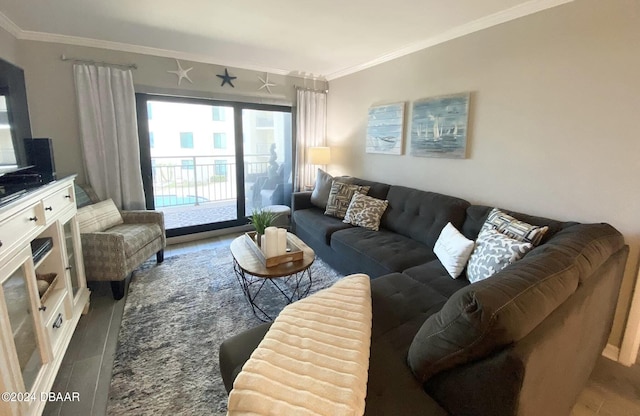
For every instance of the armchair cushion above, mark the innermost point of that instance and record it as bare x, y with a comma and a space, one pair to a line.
99, 216
135, 236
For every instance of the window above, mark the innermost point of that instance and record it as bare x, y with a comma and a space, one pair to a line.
149, 111
186, 140
219, 140
221, 167
218, 113
152, 142
187, 164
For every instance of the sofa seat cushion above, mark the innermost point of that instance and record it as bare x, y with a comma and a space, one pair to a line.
434, 275
315, 222
136, 236
399, 305
380, 252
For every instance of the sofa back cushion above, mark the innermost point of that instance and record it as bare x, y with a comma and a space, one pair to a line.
422, 215
99, 216
488, 315
376, 189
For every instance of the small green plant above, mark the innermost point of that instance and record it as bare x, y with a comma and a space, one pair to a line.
261, 219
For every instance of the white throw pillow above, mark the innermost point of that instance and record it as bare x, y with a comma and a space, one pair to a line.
453, 250
494, 251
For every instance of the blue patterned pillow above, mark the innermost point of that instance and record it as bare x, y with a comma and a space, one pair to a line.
493, 252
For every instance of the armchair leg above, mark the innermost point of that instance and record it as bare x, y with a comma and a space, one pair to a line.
117, 288
160, 256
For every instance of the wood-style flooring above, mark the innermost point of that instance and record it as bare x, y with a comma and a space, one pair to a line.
613, 390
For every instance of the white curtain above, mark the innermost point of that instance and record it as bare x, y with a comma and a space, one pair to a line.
109, 133
311, 121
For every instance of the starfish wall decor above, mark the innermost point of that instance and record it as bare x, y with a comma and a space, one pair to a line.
265, 82
226, 78
181, 73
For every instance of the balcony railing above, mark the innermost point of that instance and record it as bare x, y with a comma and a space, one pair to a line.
193, 180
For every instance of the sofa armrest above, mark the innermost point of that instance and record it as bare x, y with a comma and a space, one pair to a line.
145, 217
94, 243
301, 200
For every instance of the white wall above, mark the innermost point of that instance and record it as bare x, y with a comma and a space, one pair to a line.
8, 46
554, 121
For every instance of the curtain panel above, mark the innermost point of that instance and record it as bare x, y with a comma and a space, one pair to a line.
109, 133
311, 120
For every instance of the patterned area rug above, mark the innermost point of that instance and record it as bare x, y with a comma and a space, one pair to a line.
175, 317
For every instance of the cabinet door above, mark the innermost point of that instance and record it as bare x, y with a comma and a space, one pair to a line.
21, 323
74, 265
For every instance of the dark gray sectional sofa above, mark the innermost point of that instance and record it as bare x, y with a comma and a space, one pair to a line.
522, 342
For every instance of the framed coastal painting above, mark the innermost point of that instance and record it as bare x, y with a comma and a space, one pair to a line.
439, 126
385, 129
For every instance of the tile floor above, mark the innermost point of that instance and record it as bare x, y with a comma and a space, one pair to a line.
613, 390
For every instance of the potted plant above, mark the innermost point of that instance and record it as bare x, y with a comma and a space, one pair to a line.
261, 219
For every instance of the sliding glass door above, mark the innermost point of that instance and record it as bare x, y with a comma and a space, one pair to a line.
207, 164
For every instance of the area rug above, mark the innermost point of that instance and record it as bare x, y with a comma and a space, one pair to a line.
175, 317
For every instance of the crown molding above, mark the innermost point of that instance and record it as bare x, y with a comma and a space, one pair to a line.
144, 50
8, 25
503, 16
486, 22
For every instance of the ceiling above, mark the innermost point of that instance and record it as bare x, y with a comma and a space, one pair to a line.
327, 39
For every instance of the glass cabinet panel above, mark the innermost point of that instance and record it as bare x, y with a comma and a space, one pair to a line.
71, 256
16, 295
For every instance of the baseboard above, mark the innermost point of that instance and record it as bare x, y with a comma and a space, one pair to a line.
611, 352
207, 234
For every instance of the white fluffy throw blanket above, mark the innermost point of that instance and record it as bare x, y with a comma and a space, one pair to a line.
314, 360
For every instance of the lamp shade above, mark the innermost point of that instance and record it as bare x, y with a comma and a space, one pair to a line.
319, 155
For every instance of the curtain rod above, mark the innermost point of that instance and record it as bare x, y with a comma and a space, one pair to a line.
92, 62
298, 87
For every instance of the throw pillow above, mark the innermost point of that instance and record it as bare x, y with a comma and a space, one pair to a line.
99, 216
453, 250
340, 198
320, 193
518, 230
365, 211
493, 252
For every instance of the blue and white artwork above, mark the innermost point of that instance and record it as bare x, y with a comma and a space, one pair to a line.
439, 126
385, 129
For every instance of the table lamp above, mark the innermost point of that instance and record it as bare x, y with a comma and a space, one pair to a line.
318, 156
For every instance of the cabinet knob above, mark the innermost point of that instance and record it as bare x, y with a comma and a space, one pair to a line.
42, 308
33, 218
48, 208
58, 323
68, 196
0, 243
68, 267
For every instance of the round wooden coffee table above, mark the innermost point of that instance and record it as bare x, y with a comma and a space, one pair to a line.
292, 279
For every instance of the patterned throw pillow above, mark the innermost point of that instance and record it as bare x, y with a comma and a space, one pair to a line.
340, 198
99, 216
513, 228
493, 252
365, 211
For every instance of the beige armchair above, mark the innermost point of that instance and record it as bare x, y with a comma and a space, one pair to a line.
114, 243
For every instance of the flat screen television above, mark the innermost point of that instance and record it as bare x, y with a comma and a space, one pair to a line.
15, 125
